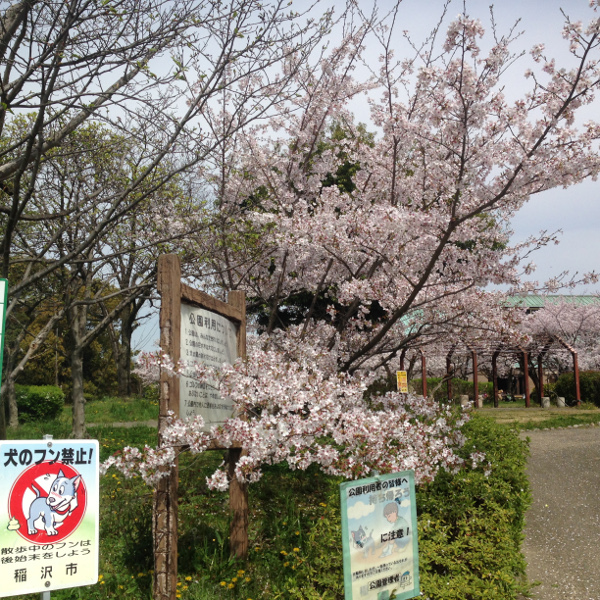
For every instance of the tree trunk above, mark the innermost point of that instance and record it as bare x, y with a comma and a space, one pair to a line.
11, 396
2, 415
124, 357
77, 322
79, 431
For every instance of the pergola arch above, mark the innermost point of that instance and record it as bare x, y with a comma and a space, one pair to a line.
538, 346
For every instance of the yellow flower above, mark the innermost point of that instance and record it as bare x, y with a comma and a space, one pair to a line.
223, 583
188, 578
178, 595
296, 549
322, 504
286, 564
247, 580
297, 533
240, 572
234, 579
140, 574
102, 583
230, 586
185, 587
100, 577
178, 583
283, 552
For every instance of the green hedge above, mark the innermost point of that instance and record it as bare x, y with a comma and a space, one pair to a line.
471, 526
39, 402
589, 385
459, 387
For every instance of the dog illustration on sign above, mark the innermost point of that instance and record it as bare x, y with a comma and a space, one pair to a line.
50, 512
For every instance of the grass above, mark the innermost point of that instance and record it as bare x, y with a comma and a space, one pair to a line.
543, 418
295, 549
116, 410
294, 531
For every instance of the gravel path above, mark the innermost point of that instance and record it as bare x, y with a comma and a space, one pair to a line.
562, 535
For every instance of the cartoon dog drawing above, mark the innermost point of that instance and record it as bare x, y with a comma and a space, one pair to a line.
361, 540
49, 513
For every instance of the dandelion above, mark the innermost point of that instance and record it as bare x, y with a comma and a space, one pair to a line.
234, 579
223, 583
230, 586
188, 578
240, 572
286, 564
296, 549
247, 580
322, 504
283, 552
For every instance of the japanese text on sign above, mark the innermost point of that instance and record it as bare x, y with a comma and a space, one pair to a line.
211, 339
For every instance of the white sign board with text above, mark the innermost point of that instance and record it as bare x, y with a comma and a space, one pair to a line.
211, 339
49, 515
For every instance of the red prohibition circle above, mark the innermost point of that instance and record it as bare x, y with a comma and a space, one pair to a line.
23, 493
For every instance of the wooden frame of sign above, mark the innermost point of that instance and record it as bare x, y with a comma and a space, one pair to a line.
221, 320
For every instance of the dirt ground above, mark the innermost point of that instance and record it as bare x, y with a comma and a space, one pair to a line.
563, 524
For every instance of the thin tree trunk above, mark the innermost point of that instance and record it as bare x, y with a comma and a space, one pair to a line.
11, 396
77, 323
2, 416
79, 430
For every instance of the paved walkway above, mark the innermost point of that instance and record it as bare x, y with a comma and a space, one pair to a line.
562, 536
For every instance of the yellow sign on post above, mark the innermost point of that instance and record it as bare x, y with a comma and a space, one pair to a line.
402, 380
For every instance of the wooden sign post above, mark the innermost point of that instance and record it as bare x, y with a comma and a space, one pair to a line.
194, 327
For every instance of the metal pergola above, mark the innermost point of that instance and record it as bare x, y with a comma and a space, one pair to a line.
537, 347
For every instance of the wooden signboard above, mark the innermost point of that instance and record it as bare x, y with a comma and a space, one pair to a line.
194, 327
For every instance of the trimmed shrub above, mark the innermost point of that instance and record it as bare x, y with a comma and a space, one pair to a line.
459, 387
471, 526
39, 402
589, 385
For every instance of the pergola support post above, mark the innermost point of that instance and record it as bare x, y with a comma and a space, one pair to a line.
495, 377
576, 373
540, 378
449, 374
423, 374
475, 379
526, 378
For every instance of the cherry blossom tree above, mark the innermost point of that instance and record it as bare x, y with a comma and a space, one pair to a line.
352, 242
572, 322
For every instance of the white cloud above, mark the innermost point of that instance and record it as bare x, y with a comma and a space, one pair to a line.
360, 510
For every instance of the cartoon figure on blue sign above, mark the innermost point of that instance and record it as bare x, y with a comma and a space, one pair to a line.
397, 538
56, 507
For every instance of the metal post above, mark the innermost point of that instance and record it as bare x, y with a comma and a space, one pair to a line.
475, 380
46, 595
541, 377
423, 374
526, 378
495, 377
576, 373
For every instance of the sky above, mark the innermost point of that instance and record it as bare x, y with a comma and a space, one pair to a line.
574, 211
